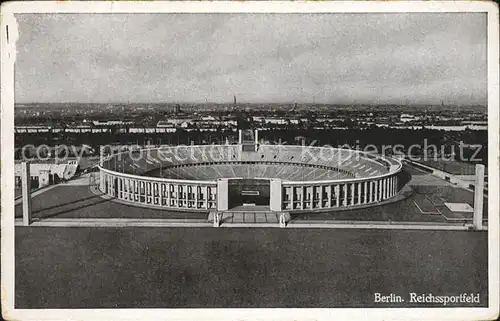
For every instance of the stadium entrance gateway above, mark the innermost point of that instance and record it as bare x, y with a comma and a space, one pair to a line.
248, 192
237, 192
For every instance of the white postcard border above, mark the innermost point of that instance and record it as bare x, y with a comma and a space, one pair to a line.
7, 173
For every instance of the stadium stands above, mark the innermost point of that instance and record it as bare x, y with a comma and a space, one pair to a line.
295, 178
269, 161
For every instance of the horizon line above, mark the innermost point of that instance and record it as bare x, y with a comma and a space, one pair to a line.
257, 103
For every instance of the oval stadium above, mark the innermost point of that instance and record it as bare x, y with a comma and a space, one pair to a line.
249, 176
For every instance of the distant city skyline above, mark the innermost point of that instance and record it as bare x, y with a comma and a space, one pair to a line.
408, 59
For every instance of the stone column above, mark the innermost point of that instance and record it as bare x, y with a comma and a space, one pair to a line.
478, 197
328, 192
275, 195
119, 187
353, 188
162, 189
197, 189
320, 195
345, 189
185, 189
178, 194
328, 196
366, 192
110, 181
170, 189
125, 188
129, 189
205, 196
26, 190
301, 197
359, 192
157, 192
337, 194
222, 194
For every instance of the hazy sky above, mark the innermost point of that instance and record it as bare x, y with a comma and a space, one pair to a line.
326, 58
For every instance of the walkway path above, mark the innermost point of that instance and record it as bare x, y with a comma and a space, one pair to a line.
79, 181
123, 222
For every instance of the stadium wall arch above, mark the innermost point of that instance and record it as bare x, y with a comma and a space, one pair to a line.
122, 176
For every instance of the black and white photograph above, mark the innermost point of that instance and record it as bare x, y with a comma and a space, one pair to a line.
250, 160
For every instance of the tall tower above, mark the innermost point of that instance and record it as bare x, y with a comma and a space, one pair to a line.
478, 197
234, 100
26, 191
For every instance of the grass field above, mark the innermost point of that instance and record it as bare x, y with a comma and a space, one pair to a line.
241, 267
452, 167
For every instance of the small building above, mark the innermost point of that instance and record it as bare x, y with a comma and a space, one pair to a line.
46, 174
164, 124
174, 122
111, 122
275, 121
408, 118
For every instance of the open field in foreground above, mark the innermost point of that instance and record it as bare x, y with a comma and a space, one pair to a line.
242, 267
